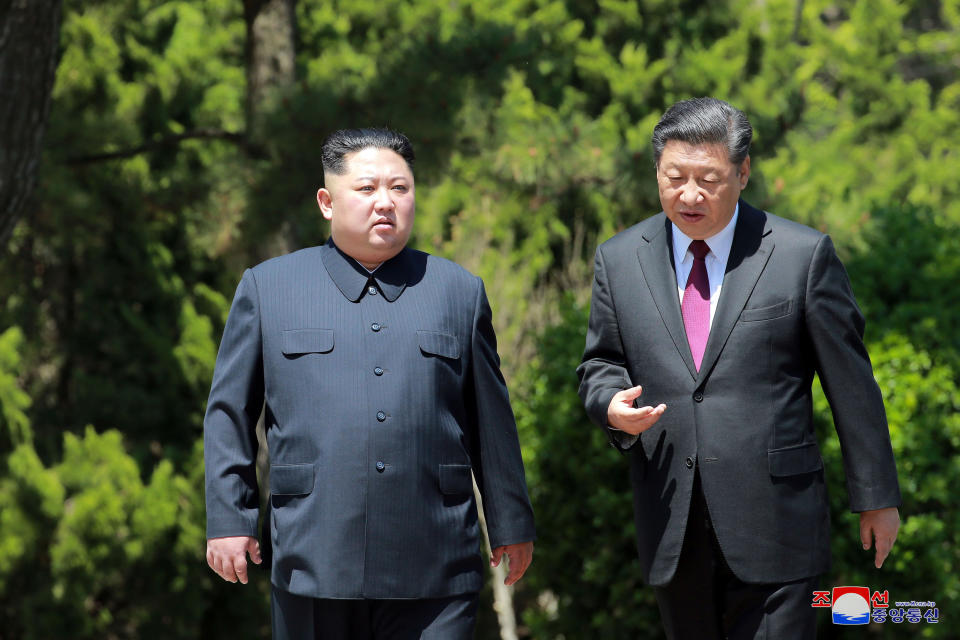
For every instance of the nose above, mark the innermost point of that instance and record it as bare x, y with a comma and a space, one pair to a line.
384, 201
690, 193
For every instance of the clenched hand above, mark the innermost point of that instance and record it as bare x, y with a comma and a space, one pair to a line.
228, 556
519, 555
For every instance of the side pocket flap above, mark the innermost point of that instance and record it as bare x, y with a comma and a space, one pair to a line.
298, 341
439, 344
291, 479
455, 479
791, 461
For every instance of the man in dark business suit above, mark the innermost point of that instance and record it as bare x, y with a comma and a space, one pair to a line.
720, 315
378, 369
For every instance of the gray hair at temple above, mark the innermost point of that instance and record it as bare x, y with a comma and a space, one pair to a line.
343, 141
704, 121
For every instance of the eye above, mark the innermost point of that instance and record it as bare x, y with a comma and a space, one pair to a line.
366, 187
400, 187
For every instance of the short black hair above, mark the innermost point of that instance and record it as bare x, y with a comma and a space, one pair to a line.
343, 141
704, 121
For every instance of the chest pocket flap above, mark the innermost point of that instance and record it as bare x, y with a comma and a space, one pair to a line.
437, 343
299, 341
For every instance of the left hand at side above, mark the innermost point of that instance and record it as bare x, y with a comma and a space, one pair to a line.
519, 555
880, 526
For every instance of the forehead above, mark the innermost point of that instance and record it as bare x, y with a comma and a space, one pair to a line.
679, 154
374, 160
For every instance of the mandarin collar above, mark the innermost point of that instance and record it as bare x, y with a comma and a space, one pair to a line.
352, 278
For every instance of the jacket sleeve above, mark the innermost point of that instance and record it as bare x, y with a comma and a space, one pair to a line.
497, 463
603, 369
229, 427
835, 325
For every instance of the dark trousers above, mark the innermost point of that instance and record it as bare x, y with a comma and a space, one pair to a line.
302, 618
706, 601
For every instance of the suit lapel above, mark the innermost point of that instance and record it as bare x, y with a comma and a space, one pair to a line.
752, 245
656, 261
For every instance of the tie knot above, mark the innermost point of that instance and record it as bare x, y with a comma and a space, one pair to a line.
699, 249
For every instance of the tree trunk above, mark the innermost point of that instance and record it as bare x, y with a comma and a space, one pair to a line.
502, 594
29, 38
271, 27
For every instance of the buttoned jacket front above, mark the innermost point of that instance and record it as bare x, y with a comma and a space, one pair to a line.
382, 392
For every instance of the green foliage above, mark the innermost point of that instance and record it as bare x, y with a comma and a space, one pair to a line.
585, 581
91, 551
13, 400
904, 278
531, 120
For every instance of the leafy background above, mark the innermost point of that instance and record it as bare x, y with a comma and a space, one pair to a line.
531, 118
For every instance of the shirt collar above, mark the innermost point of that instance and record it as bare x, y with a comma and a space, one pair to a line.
719, 243
352, 279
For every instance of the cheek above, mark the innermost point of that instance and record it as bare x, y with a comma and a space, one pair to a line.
406, 210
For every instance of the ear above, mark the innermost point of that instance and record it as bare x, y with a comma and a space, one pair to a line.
744, 173
325, 201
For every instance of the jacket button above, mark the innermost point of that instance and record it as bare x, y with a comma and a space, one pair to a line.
381, 416
688, 462
381, 466
372, 290
698, 396
375, 326
378, 371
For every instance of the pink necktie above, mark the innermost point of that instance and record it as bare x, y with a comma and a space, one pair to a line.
696, 302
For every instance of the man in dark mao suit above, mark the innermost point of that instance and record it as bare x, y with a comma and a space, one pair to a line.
378, 371
720, 315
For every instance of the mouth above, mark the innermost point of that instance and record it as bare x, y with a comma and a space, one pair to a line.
384, 223
691, 216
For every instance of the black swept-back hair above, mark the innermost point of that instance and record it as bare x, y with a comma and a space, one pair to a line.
339, 143
704, 121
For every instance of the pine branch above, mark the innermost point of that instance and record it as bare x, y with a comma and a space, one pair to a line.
238, 139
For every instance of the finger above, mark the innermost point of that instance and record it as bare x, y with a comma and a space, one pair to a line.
496, 556
884, 545
643, 413
210, 558
631, 394
866, 534
228, 573
515, 571
519, 562
217, 565
253, 548
879, 558
240, 567
637, 426
639, 413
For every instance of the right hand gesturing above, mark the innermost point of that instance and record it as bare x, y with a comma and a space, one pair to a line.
622, 415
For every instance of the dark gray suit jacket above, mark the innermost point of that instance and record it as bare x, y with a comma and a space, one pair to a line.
786, 311
382, 394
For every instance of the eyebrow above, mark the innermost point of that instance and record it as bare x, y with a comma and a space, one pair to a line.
395, 177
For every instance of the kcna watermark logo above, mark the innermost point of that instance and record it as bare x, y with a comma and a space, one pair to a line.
856, 605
